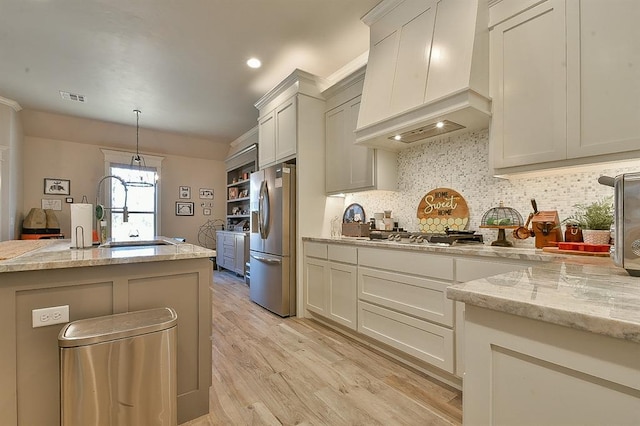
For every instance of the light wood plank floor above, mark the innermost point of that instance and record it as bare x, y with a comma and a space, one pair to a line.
273, 371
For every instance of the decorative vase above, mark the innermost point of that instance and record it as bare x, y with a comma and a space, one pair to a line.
596, 236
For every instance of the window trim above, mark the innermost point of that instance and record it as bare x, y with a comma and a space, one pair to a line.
123, 157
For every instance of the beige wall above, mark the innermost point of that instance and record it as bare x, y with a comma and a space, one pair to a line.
11, 152
83, 164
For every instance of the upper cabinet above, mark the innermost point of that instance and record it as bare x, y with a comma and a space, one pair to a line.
565, 83
283, 116
350, 167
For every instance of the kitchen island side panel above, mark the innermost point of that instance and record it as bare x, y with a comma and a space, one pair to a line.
29, 392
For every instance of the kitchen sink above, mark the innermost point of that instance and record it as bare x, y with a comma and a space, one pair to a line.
136, 243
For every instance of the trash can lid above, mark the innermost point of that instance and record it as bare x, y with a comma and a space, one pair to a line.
118, 326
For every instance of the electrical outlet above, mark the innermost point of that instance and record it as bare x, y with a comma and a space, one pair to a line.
50, 316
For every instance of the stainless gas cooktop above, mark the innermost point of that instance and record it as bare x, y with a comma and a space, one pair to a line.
450, 237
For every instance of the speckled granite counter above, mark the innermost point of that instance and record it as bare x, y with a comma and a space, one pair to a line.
482, 250
603, 300
58, 255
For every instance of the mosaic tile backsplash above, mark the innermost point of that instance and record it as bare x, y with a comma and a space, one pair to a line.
461, 162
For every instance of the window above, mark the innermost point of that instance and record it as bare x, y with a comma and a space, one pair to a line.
142, 202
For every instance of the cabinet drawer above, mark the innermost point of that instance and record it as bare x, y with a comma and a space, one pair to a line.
421, 339
427, 265
421, 297
343, 254
468, 270
318, 250
229, 240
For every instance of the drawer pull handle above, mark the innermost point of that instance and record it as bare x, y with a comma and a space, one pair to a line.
266, 259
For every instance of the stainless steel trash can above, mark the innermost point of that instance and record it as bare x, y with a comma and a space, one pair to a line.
119, 369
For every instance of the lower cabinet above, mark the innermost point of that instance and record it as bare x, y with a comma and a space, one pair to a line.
521, 371
398, 298
232, 250
330, 282
402, 303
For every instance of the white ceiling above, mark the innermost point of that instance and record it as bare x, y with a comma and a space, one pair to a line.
181, 62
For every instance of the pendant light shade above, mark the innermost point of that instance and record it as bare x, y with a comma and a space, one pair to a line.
138, 165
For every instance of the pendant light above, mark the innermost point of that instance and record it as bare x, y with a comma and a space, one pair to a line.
138, 165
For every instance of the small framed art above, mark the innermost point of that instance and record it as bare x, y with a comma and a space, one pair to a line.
206, 212
206, 193
233, 193
57, 186
184, 208
185, 192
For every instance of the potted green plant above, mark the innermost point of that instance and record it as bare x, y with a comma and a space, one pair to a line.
595, 219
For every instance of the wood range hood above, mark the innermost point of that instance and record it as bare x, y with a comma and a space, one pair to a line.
427, 73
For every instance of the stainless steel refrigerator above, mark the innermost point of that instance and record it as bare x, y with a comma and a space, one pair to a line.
273, 239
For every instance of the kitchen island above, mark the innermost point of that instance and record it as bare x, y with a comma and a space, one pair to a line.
555, 343
94, 282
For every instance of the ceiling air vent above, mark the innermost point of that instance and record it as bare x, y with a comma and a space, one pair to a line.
73, 97
428, 131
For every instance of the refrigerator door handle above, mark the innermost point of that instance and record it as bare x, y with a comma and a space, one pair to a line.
266, 259
263, 210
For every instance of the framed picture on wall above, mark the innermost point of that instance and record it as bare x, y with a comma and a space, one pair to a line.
184, 208
206, 193
57, 186
185, 192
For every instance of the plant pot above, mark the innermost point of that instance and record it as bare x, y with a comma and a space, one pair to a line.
596, 236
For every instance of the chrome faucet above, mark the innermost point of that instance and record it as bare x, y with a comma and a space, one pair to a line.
125, 210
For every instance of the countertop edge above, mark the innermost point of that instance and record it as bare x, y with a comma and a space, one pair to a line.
59, 255
616, 328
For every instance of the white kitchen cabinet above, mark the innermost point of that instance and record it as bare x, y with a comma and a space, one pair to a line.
330, 282
564, 83
528, 372
283, 117
232, 250
528, 86
267, 140
351, 167
277, 133
315, 277
603, 65
402, 303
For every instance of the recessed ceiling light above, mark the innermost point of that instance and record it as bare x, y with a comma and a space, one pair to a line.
254, 63
397, 137
439, 124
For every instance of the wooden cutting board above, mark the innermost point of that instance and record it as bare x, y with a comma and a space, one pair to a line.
14, 248
578, 252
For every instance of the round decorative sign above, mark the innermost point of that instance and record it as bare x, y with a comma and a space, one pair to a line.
442, 208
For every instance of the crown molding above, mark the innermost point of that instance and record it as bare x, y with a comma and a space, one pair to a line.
10, 103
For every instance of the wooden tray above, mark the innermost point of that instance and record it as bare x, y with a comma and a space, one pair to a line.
556, 250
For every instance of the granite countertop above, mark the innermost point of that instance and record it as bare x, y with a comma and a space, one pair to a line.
595, 298
58, 254
483, 250
581, 292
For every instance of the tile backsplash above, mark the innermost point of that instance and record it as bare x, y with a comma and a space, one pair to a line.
461, 163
